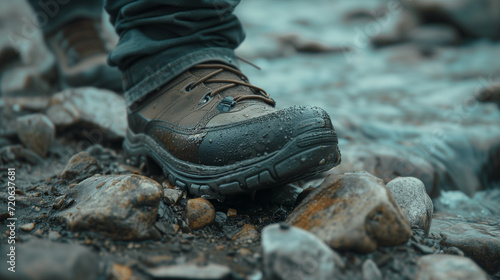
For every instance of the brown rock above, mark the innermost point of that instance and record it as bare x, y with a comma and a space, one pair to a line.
81, 165
437, 267
480, 242
199, 213
27, 227
36, 132
352, 211
231, 213
247, 234
123, 208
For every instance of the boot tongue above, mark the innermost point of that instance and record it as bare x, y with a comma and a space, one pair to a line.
227, 75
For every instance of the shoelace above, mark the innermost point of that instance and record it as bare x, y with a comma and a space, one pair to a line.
81, 38
260, 93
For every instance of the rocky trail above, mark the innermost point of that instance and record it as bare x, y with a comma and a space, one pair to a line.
417, 195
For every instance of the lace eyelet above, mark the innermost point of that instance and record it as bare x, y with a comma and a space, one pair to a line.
189, 87
206, 98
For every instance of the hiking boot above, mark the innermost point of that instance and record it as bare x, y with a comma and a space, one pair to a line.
81, 54
215, 134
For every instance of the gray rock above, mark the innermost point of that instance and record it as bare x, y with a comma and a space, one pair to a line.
352, 211
80, 166
101, 109
412, 198
220, 218
371, 271
45, 260
17, 152
36, 132
122, 207
172, 196
293, 253
191, 272
478, 241
434, 267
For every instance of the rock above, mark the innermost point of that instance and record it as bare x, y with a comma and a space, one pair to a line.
434, 267
191, 272
36, 132
352, 211
120, 272
80, 166
199, 213
371, 271
46, 260
293, 253
122, 207
480, 242
100, 109
474, 18
172, 196
17, 152
220, 219
232, 213
27, 227
412, 198
248, 234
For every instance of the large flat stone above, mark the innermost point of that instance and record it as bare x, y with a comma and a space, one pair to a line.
122, 207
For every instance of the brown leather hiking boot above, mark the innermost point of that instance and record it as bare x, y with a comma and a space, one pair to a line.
81, 54
214, 134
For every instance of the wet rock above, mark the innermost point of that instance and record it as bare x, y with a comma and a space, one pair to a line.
248, 234
102, 110
475, 18
36, 132
220, 219
199, 213
122, 207
46, 260
293, 253
80, 166
27, 227
232, 213
371, 271
478, 241
172, 196
17, 152
352, 211
191, 272
436, 267
412, 198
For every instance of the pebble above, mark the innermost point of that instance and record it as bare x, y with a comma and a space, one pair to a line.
448, 267
371, 271
248, 234
80, 166
190, 272
412, 198
232, 213
220, 218
36, 132
172, 196
352, 211
46, 260
103, 110
199, 213
124, 208
27, 227
293, 253
480, 242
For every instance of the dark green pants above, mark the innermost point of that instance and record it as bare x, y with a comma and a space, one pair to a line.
159, 39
